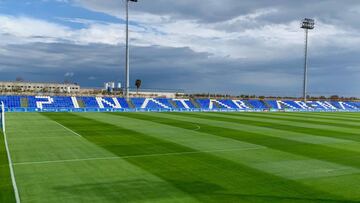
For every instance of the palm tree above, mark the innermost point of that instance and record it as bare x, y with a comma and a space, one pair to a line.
138, 85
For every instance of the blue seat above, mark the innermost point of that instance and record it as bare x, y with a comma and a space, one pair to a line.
153, 103
11, 101
180, 105
61, 102
57, 102
257, 104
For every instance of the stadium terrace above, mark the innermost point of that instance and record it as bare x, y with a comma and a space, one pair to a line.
96, 104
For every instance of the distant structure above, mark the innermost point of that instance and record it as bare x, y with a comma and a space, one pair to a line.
307, 24
110, 87
39, 87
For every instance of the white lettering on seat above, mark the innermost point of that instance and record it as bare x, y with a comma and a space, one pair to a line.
183, 102
75, 102
39, 104
281, 103
343, 105
101, 101
240, 104
147, 100
212, 101
302, 105
326, 105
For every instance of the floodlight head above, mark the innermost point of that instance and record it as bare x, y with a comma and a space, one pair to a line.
308, 23
133, 0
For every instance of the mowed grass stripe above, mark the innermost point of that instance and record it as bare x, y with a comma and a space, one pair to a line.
44, 140
120, 141
343, 157
310, 120
353, 145
300, 127
270, 161
269, 130
343, 114
327, 115
86, 181
6, 187
203, 176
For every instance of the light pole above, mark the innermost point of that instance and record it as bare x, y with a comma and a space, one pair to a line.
307, 24
127, 57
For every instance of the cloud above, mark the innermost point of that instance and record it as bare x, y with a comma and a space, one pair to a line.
222, 46
264, 42
175, 68
19, 30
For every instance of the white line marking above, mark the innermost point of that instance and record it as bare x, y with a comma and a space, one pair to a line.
43, 137
138, 156
12, 174
197, 127
68, 129
66, 160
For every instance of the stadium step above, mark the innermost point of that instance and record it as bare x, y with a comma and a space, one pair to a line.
195, 103
217, 105
248, 104
266, 104
131, 104
24, 102
173, 104
80, 102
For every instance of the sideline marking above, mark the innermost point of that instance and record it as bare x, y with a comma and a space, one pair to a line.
12, 174
138, 156
68, 129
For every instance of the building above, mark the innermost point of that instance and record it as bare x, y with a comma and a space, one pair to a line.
154, 93
38, 87
58, 88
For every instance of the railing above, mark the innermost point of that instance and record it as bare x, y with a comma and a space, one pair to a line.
166, 110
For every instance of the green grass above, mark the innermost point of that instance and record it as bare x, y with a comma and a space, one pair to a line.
6, 189
182, 157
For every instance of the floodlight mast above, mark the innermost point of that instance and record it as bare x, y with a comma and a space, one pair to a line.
127, 57
307, 24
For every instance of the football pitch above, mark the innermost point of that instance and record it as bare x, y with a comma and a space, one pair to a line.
182, 157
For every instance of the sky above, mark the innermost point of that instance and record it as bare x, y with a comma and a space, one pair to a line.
228, 46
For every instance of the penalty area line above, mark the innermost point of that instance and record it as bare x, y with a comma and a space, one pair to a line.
68, 129
138, 156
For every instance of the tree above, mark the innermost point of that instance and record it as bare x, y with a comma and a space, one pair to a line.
138, 85
334, 97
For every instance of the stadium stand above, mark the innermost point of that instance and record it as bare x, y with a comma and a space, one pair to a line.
11, 101
213, 104
49, 102
184, 103
257, 104
150, 103
104, 102
67, 103
344, 105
